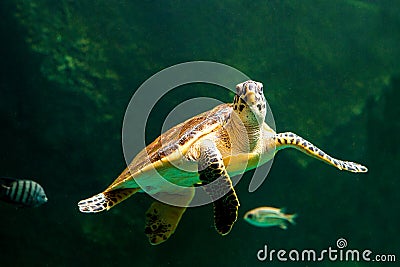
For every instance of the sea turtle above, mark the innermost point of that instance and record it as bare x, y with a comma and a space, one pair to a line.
219, 143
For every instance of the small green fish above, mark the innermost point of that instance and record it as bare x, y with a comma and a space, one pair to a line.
269, 216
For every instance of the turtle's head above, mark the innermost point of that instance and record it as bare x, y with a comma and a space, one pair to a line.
249, 102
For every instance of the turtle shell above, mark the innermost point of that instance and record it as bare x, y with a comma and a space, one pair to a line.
177, 139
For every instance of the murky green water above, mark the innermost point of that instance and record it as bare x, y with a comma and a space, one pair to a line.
69, 68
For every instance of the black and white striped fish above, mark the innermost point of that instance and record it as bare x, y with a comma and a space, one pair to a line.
24, 193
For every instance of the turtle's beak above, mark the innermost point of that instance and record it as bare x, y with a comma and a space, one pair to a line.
250, 98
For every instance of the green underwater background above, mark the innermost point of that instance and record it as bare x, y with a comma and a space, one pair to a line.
331, 73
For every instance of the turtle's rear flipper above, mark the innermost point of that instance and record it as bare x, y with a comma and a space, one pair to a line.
105, 200
283, 140
161, 221
218, 186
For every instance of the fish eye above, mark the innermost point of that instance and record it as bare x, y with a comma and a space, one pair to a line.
250, 216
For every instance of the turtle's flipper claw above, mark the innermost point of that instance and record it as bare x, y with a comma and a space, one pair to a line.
94, 204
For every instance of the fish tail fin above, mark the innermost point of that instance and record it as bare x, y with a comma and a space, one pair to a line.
3, 188
5, 183
291, 217
283, 226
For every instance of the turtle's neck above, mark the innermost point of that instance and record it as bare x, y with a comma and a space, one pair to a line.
245, 134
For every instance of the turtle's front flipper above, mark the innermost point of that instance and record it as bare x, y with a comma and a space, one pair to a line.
284, 140
105, 200
219, 187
